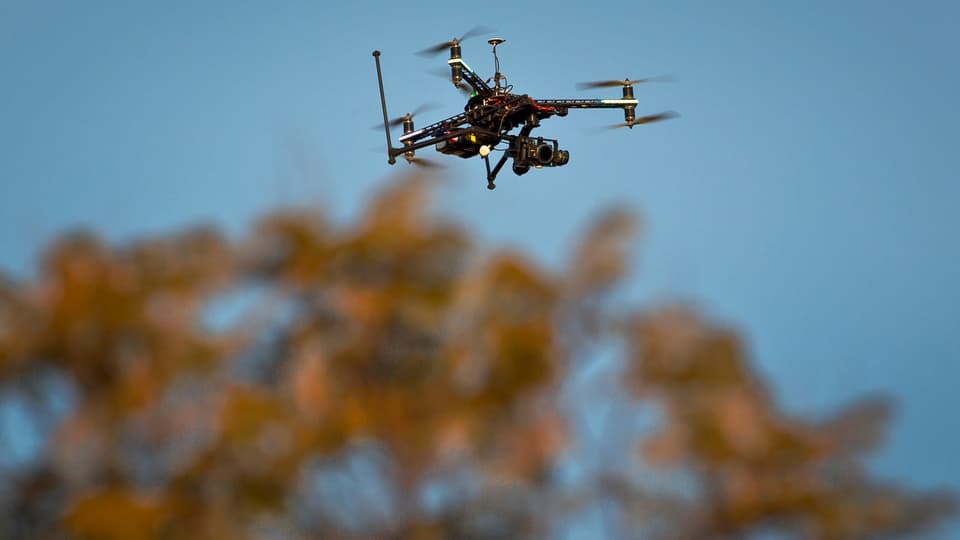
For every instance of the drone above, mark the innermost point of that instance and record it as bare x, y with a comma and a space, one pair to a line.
492, 112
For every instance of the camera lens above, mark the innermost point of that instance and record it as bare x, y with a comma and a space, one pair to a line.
544, 154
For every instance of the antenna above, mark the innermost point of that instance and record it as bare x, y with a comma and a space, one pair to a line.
383, 104
497, 76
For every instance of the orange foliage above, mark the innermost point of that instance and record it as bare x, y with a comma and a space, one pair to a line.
387, 379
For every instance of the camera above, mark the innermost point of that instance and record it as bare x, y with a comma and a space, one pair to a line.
538, 152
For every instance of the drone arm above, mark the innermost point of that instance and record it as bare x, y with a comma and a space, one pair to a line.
589, 103
433, 140
628, 103
470, 76
435, 129
394, 152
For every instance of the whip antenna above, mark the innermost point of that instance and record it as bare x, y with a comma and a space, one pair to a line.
497, 76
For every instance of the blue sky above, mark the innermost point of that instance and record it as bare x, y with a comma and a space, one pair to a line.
805, 196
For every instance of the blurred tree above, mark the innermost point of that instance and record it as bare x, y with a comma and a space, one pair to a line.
389, 379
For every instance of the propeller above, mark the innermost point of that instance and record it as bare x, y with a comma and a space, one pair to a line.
418, 161
649, 119
401, 119
422, 162
440, 47
444, 73
464, 89
613, 83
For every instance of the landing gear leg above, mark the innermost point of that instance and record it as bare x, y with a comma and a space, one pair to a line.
492, 175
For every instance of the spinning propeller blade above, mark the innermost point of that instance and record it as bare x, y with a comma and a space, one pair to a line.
440, 47
465, 89
613, 83
650, 118
425, 163
400, 119
444, 73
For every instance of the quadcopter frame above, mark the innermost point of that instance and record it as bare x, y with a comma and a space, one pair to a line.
492, 113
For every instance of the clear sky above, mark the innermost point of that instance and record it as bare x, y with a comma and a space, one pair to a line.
806, 195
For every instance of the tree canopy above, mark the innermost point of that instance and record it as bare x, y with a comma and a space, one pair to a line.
391, 378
